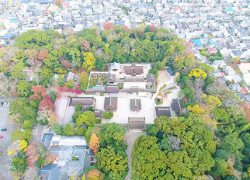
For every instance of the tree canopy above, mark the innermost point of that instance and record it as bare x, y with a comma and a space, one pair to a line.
180, 147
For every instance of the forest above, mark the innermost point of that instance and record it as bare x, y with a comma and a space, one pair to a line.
210, 138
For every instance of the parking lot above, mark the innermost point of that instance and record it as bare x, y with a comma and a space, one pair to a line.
4, 143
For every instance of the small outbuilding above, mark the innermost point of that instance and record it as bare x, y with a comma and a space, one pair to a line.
112, 89
176, 106
86, 102
135, 104
137, 123
163, 111
110, 103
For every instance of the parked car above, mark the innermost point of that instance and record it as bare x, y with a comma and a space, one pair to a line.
1, 137
4, 129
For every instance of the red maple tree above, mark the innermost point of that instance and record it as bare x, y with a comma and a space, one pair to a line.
65, 63
152, 28
46, 104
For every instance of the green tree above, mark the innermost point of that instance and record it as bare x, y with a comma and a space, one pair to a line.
221, 168
107, 114
221, 115
23, 88
232, 144
86, 118
19, 164
24, 109
68, 130
84, 79
28, 125
57, 128
112, 163
42, 152
45, 74
183, 61
74, 55
33, 39
186, 146
21, 134
17, 71
148, 161
70, 83
111, 134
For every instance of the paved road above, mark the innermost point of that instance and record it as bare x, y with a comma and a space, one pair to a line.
5, 143
130, 138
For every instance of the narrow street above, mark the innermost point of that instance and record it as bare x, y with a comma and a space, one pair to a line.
5, 142
130, 138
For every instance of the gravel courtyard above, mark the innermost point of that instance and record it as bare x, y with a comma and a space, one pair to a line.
123, 109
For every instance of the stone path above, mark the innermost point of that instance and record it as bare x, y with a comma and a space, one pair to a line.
130, 138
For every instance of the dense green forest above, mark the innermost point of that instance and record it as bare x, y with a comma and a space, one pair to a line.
211, 137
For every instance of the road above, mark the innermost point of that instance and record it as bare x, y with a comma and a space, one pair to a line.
130, 138
5, 143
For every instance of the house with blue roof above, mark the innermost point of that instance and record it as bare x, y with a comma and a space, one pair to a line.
49, 172
47, 137
44, 1
73, 156
196, 42
229, 10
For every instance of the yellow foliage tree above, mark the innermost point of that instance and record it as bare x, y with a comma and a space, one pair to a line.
12, 152
89, 61
196, 109
197, 73
22, 146
13, 148
94, 142
182, 61
248, 171
212, 101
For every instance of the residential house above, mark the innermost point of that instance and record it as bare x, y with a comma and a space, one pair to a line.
49, 172
71, 157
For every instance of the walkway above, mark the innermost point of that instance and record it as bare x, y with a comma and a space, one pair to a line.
130, 138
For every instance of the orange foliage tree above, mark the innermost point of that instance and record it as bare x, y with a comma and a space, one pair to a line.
94, 142
94, 174
31, 154
42, 54
39, 92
